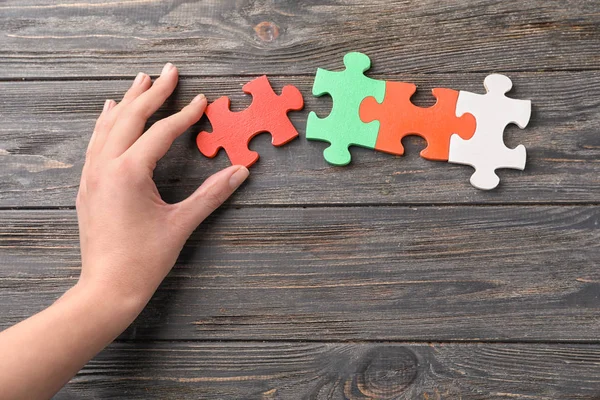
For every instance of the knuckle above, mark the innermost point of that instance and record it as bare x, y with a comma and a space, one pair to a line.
139, 111
130, 94
165, 125
92, 185
164, 85
128, 122
213, 199
162, 143
92, 180
101, 123
188, 116
125, 168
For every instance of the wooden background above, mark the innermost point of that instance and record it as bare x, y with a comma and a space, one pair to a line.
391, 278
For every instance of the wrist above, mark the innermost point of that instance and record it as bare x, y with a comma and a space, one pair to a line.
107, 308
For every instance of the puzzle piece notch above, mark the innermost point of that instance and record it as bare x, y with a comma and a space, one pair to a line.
343, 127
486, 150
399, 117
233, 131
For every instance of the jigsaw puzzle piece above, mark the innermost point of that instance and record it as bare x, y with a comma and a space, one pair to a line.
209, 144
343, 127
486, 151
233, 131
399, 117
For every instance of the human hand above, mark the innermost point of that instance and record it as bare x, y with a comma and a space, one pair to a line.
130, 238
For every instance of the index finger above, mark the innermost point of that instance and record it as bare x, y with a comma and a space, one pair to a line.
154, 144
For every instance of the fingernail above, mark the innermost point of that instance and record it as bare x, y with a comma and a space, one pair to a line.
166, 69
238, 177
106, 105
199, 98
139, 78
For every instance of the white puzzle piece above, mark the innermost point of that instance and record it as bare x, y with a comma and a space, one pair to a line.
486, 150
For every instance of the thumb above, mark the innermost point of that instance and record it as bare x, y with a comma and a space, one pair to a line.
208, 197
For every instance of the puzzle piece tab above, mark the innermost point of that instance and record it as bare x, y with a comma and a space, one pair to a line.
232, 131
399, 117
486, 150
343, 127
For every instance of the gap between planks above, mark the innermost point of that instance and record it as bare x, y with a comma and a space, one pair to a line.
350, 205
365, 341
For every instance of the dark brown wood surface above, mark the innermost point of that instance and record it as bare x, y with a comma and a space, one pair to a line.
347, 273
71, 38
357, 371
391, 278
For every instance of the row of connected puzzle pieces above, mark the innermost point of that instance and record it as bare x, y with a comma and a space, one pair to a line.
462, 127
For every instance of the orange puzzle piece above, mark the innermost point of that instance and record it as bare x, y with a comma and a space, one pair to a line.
399, 117
233, 131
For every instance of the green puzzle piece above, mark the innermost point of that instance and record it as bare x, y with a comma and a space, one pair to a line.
343, 127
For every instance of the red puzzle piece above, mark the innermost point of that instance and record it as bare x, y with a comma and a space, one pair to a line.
232, 131
399, 117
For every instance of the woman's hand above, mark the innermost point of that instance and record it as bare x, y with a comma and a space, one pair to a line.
130, 238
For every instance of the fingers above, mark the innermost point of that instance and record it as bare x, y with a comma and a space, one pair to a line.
101, 126
208, 197
141, 83
155, 143
132, 118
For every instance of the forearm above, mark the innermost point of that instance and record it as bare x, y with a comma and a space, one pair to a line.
42, 353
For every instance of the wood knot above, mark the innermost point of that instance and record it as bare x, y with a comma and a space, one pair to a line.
383, 373
267, 31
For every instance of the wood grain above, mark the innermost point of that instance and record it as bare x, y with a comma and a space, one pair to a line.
391, 278
70, 38
369, 273
41, 155
283, 370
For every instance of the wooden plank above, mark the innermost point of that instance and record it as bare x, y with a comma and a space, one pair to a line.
369, 273
46, 126
43, 38
339, 371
